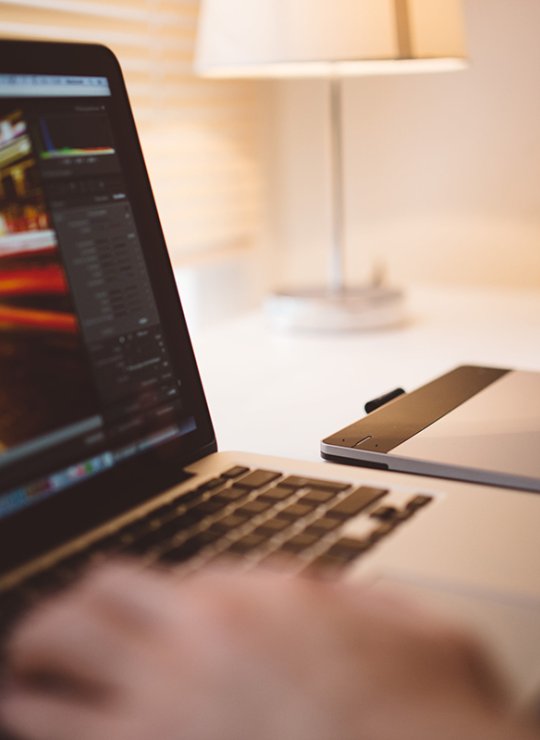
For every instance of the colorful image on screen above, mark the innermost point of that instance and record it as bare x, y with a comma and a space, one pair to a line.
44, 380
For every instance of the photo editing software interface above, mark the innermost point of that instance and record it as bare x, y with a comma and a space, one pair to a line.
86, 379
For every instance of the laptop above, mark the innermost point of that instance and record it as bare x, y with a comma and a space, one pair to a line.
480, 424
107, 446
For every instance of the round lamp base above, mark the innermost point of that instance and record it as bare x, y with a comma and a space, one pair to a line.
359, 308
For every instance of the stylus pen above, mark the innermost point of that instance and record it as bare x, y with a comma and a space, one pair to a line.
382, 400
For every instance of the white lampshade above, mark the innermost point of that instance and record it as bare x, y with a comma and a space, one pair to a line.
274, 38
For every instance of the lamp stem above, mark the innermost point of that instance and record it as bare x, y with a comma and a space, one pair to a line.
337, 256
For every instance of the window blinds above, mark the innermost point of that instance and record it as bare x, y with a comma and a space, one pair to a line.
198, 136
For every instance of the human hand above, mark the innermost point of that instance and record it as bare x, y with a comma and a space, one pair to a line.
132, 655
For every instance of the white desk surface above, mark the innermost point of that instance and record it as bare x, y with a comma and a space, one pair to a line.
277, 393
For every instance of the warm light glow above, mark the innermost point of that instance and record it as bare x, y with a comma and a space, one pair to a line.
319, 38
342, 69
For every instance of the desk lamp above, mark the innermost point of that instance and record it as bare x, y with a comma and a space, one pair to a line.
331, 39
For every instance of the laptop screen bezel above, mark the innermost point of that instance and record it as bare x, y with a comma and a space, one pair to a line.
36, 529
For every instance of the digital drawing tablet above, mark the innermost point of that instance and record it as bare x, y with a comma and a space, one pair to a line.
477, 424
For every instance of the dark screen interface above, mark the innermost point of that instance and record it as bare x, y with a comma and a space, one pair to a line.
86, 379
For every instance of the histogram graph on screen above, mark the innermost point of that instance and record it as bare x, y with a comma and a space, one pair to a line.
75, 136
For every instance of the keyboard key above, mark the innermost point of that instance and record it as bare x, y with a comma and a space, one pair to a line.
231, 494
349, 544
356, 502
174, 513
165, 509
385, 513
252, 508
258, 479
296, 482
235, 472
212, 506
190, 497
158, 536
382, 531
148, 542
295, 511
317, 496
347, 548
324, 525
189, 547
211, 484
277, 493
418, 502
228, 523
129, 533
325, 562
247, 543
273, 526
300, 542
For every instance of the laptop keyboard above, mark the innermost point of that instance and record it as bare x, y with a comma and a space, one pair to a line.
256, 514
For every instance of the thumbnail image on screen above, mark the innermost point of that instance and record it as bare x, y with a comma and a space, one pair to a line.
44, 380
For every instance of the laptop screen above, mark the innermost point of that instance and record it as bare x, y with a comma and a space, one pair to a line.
86, 378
